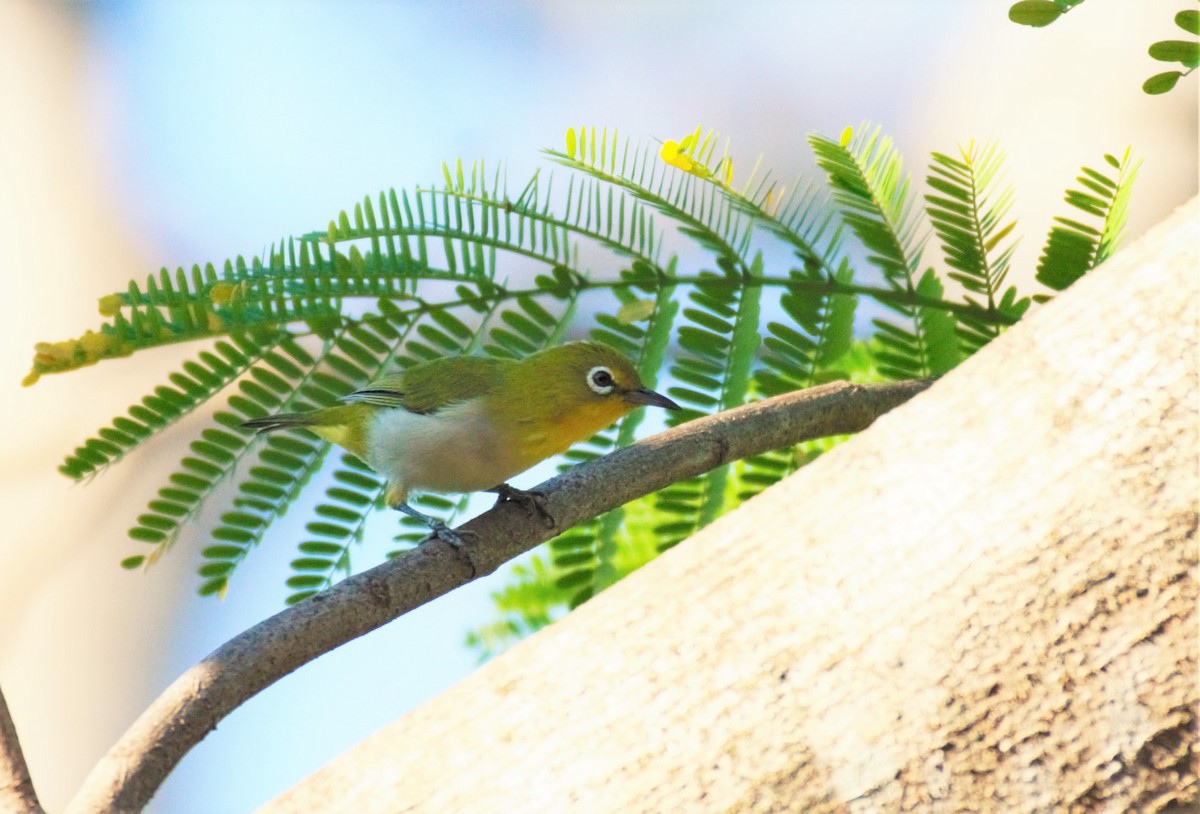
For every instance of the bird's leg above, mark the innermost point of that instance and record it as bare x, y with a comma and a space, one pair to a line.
533, 501
441, 531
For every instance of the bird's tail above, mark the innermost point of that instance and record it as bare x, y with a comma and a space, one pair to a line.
279, 422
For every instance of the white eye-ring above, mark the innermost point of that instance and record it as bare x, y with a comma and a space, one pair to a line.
600, 379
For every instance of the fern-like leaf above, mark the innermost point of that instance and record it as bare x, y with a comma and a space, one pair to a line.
1075, 247
217, 451
699, 210
199, 380
805, 351
714, 369
872, 191
969, 209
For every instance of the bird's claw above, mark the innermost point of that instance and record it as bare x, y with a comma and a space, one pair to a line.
449, 536
534, 502
454, 539
442, 532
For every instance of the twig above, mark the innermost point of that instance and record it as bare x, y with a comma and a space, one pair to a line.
127, 777
16, 787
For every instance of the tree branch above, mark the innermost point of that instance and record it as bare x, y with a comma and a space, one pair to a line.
127, 777
16, 787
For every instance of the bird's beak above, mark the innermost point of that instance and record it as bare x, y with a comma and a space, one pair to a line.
650, 399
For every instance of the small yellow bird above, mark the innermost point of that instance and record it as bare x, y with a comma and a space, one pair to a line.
468, 424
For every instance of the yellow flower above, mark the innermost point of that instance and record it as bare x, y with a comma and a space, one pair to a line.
679, 154
671, 155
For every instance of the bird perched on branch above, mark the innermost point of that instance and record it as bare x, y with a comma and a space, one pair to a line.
468, 424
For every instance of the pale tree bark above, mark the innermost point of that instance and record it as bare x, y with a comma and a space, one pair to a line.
985, 602
16, 788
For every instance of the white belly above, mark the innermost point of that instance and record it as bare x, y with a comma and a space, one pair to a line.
451, 451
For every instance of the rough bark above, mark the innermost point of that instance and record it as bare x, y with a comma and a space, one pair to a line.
16, 788
985, 602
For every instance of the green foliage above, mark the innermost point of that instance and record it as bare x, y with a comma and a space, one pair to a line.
717, 346
199, 380
1075, 247
873, 193
414, 275
340, 520
1040, 13
969, 206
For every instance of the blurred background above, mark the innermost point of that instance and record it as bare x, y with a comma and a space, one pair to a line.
135, 135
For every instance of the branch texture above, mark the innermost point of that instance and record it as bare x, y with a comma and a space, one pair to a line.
191, 707
16, 787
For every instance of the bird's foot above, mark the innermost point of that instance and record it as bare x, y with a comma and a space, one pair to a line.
534, 502
448, 535
442, 532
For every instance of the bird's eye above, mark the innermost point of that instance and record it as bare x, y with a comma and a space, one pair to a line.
600, 379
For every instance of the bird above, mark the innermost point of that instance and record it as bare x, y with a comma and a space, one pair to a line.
461, 424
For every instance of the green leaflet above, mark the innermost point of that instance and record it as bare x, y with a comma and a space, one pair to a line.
872, 192
199, 380
1075, 247
969, 206
717, 351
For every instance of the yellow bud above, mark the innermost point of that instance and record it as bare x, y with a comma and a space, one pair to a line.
52, 354
847, 134
222, 293
31, 379
95, 346
571, 142
110, 305
635, 311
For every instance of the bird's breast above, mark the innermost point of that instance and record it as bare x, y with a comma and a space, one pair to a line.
539, 437
457, 449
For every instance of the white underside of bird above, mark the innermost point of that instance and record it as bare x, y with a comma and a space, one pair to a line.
452, 450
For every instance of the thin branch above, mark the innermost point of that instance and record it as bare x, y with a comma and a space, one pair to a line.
16, 787
127, 777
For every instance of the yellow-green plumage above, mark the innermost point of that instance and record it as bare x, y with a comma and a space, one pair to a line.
465, 424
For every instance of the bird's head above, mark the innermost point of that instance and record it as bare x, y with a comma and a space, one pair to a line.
590, 376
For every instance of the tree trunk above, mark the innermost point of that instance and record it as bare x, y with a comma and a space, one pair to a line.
985, 602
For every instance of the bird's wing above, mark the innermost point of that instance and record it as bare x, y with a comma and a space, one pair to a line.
386, 391
430, 386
